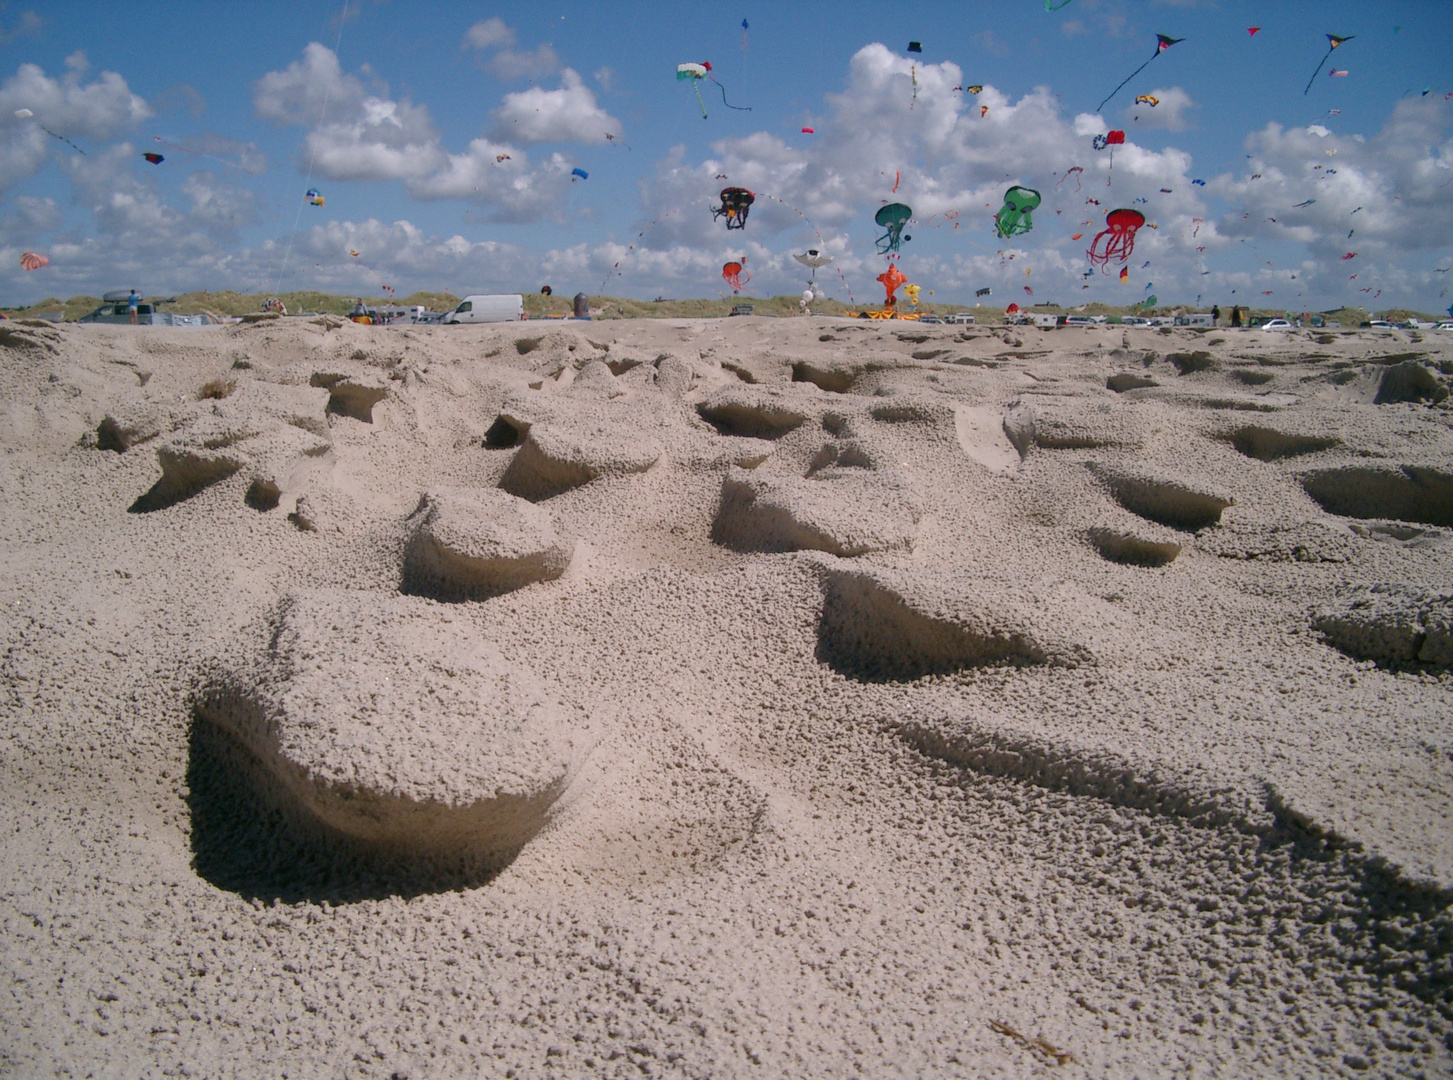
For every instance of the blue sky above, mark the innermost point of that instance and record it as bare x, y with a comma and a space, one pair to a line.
402, 112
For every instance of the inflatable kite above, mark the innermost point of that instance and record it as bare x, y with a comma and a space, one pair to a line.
813, 259
314, 197
735, 203
732, 273
892, 217
1119, 240
1332, 42
1162, 43
1110, 138
891, 279
1013, 218
1147, 99
695, 73
33, 260
578, 174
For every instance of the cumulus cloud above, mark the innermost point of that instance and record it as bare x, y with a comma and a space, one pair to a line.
510, 187
25, 24
356, 135
569, 114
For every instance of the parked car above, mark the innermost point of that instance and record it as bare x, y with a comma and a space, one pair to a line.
1444, 325
1380, 324
508, 307
962, 318
1079, 320
929, 318
1276, 324
1133, 320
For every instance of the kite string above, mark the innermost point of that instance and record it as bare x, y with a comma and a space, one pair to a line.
1132, 75
312, 157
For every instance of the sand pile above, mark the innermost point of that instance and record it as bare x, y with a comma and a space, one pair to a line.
725, 697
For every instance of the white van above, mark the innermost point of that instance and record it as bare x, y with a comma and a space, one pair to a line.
509, 307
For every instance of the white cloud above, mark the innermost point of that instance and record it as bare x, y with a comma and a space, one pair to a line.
1168, 114
509, 65
355, 135
569, 114
512, 189
489, 34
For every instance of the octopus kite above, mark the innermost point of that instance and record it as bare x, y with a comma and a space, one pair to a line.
1118, 237
735, 203
892, 217
1013, 218
732, 274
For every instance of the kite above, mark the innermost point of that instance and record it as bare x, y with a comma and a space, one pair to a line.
1252, 30
976, 89
732, 274
1165, 191
735, 202
1332, 42
695, 73
1147, 99
1077, 171
1028, 290
353, 253
1055, 7
1336, 73
545, 290
891, 279
1012, 309
1161, 45
894, 188
911, 291
813, 259
1124, 275
26, 114
1199, 183
1013, 218
578, 174
33, 260
983, 292
1349, 255
914, 46
892, 217
314, 197
983, 111
155, 159
1298, 206
808, 131
1119, 237
505, 157
1110, 138
1077, 236
744, 35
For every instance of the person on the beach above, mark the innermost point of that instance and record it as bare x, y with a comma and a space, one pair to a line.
1236, 317
131, 302
1215, 315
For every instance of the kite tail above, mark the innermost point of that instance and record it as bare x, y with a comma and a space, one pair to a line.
697, 90
728, 104
1132, 75
1313, 79
63, 139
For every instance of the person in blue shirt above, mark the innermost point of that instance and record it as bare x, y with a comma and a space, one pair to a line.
131, 302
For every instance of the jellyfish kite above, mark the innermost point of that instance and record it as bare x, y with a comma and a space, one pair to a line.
1332, 42
891, 279
695, 73
1013, 218
1118, 237
892, 217
732, 273
1162, 43
33, 260
314, 197
735, 202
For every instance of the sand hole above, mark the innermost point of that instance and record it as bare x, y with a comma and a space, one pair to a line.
753, 421
1268, 444
868, 633
1411, 493
263, 495
1164, 501
834, 379
1120, 546
184, 473
1187, 363
349, 398
505, 432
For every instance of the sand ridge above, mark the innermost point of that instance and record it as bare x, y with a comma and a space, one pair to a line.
882, 700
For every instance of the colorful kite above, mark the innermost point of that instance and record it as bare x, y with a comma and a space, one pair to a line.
1013, 218
732, 273
1251, 30
693, 73
1125, 275
1075, 170
735, 203
1110, 138
892, 217
33, 260
1332, 42
1162, 44
1119, 237
314, 197
891, 279
808, 131
155, 159
1147, 99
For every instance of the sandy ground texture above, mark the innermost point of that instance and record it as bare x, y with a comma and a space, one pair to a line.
745, 697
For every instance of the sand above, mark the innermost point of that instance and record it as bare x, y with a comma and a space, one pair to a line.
739, 697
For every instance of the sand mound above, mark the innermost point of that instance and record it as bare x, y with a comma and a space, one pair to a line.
1140, 546
841, 510
555, 458
474, 544
1409, 382
382, 722
885, 625
1391, 624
